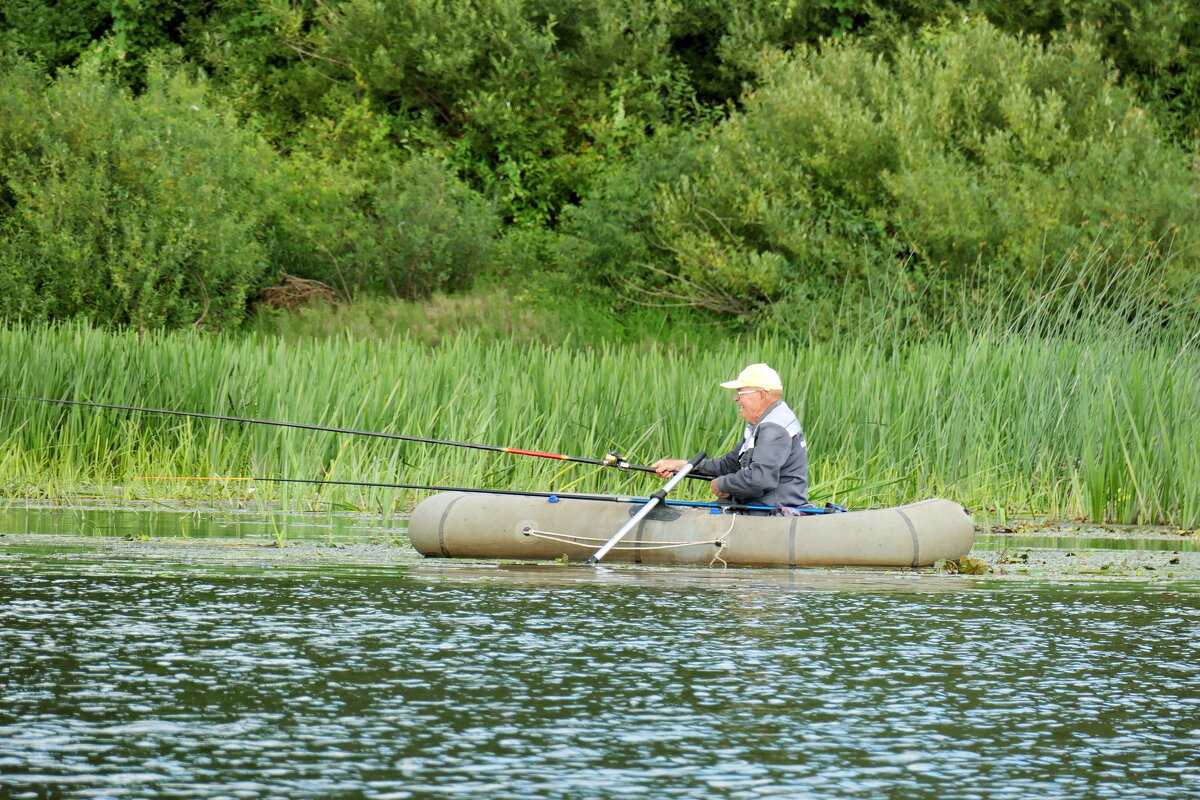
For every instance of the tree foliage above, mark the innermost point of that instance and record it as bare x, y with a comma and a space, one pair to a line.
161, 209
967, 157
738, 156
138, 211
527, 98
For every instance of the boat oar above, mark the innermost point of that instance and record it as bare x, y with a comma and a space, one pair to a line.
612, 459
655, 499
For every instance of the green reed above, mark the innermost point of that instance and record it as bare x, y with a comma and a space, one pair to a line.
1099, 426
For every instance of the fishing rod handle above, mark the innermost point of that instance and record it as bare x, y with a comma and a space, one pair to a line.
639, 468
683, 472
686, 469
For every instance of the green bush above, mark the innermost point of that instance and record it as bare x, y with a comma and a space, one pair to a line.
605, 236
405, 231
534, 100
429, 232
161, 210
52, 34
125, 33
531, 97
128, 211
1154, 46
971, 159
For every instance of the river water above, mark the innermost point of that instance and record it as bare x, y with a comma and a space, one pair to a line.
429, 679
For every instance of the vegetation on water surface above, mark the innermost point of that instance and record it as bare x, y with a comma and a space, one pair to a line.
1100, 428
762, 164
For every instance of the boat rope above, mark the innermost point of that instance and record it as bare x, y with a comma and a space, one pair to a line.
590, 541
721, 542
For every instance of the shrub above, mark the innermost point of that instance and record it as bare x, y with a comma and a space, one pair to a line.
1154, 46
52, 34
161, 210
430, 232
605, 236
532, 97
128, 211
406, 230
970, 158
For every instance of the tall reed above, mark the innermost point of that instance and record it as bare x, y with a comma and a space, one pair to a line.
1100, 426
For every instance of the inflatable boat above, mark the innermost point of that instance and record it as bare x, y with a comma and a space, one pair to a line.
462, 525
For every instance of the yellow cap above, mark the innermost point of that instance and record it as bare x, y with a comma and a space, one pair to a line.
757, 376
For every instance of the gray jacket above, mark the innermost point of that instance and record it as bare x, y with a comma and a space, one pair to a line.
769, 466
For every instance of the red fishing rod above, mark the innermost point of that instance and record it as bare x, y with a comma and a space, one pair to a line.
612, 459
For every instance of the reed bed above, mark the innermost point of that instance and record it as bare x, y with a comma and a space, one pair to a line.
1100, 427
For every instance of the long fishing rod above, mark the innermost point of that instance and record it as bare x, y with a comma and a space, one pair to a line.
552, 497
612, 459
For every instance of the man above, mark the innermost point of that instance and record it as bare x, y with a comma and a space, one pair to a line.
769, 466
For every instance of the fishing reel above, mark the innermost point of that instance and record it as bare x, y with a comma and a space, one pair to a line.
614, 459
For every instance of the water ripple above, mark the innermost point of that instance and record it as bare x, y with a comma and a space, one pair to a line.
197, 686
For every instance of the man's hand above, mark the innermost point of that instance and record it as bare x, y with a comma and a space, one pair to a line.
717, 490
666, 467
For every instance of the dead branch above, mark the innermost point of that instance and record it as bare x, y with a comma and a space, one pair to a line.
693, 294
296, 293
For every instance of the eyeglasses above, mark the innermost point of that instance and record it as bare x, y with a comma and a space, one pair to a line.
743, 392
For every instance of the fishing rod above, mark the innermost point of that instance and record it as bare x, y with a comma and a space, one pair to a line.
552, 497
612, 459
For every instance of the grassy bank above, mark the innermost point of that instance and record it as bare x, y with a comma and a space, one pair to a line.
1099, 426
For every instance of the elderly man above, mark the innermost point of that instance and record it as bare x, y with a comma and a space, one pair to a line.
769, 466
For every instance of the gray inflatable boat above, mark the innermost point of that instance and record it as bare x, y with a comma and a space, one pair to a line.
462, 525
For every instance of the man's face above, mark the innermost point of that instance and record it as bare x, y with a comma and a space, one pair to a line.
752, 403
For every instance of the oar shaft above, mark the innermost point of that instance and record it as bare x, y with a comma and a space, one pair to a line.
655, 499
352, 432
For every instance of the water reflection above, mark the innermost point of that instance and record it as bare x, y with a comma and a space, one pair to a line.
518, 682
1130, 542
162, 521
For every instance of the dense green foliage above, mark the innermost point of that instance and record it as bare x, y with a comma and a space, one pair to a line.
1100, 426
966, 162
140, 211
160, 209
814, 165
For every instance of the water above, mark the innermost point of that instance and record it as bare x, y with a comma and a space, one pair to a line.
162, 520
433, 679
1137, 541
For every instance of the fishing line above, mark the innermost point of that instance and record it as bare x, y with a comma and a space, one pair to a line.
612, 459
